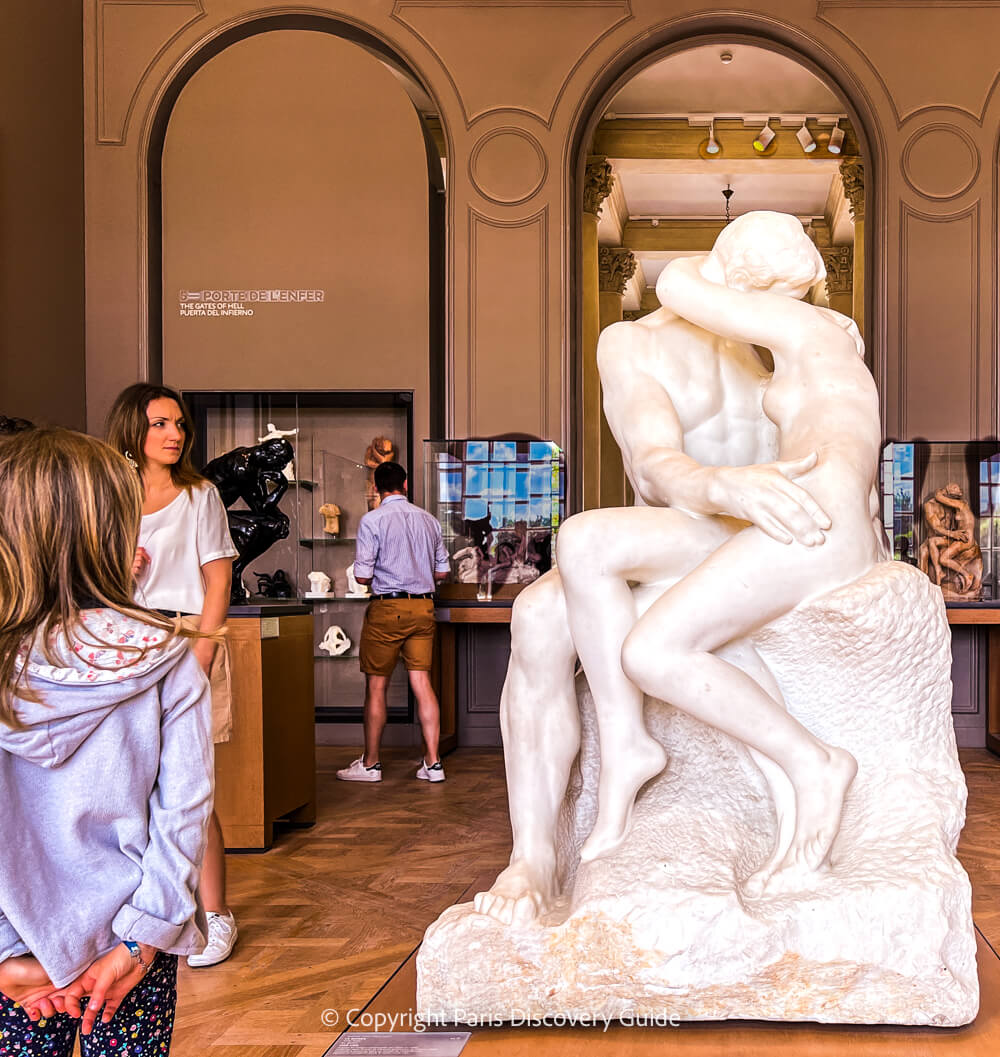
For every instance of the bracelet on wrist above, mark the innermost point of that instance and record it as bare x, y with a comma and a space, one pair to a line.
135, 952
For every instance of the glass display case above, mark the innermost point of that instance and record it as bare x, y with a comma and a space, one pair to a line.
941, 512
500, 503
328, 488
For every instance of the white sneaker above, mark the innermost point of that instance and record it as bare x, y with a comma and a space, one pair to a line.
222, 933
434, 773
358, 772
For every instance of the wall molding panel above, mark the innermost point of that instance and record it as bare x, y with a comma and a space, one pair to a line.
933, 164
938, 385
484, 82
132, 36
508, 357
508, 165
882, 31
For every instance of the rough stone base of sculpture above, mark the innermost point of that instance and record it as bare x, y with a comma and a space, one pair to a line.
661, 928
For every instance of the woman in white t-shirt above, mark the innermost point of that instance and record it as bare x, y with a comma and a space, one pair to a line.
184, 567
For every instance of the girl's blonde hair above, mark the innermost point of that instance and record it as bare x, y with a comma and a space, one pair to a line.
128, 425
69, 526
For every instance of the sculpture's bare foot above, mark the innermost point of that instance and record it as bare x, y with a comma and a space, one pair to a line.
621, 779
819, 804
522, 892
783, 794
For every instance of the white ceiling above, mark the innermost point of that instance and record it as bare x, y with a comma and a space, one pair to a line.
664, 188
696, 81
757, 81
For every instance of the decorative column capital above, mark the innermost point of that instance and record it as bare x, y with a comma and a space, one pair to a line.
615, 266
852, 173
839, 261
597, 184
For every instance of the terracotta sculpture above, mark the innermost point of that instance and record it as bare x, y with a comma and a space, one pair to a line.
950, 555
379, 451
331, 518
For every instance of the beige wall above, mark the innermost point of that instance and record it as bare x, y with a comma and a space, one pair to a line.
517, 85
272, 179
41, 212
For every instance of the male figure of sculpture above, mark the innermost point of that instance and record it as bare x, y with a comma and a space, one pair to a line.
822, 399
685, 406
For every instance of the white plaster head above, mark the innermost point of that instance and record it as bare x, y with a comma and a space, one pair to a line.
763, 250
335, 642
353, 587
319, 583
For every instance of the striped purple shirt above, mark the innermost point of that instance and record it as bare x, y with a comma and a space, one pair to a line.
400, 545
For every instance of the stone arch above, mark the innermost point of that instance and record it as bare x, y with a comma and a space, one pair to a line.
681, 35
151, 157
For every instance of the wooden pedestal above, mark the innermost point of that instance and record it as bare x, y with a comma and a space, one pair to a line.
988, 617
267, 770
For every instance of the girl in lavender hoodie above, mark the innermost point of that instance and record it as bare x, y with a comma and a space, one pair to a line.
105, 762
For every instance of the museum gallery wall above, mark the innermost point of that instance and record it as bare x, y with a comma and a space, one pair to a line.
42, 362
272, 182
516, 130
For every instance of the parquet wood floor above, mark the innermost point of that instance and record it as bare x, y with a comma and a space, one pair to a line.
330, 913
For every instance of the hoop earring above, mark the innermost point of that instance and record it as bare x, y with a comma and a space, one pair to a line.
131, 461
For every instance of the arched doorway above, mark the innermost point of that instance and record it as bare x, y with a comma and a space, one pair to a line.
667, 142
369, 259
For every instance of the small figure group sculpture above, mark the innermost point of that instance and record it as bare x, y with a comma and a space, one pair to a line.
950, 555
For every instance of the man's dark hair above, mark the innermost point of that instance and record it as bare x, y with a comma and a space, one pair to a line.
389, 477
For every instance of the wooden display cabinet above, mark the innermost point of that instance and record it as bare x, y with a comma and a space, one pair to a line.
267, 770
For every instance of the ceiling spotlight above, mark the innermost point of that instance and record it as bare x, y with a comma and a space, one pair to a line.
763, 138
712, 147
836, 144
804, 136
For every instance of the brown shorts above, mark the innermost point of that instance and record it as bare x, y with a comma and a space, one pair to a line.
393, 626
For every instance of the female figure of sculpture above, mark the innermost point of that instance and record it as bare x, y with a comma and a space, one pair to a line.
824, 402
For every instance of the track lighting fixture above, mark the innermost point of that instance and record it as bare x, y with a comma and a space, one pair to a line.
763, 138
804, 136
836, 144
712, 147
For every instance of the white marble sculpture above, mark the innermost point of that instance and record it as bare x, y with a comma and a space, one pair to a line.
335, 642
319, 585
273, 433
354, 589
773, 889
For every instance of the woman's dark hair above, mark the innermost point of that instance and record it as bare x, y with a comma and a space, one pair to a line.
128, 425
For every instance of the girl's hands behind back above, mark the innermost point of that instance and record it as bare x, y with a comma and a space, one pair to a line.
106, 982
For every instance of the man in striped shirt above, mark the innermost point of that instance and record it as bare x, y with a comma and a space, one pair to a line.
399, 552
